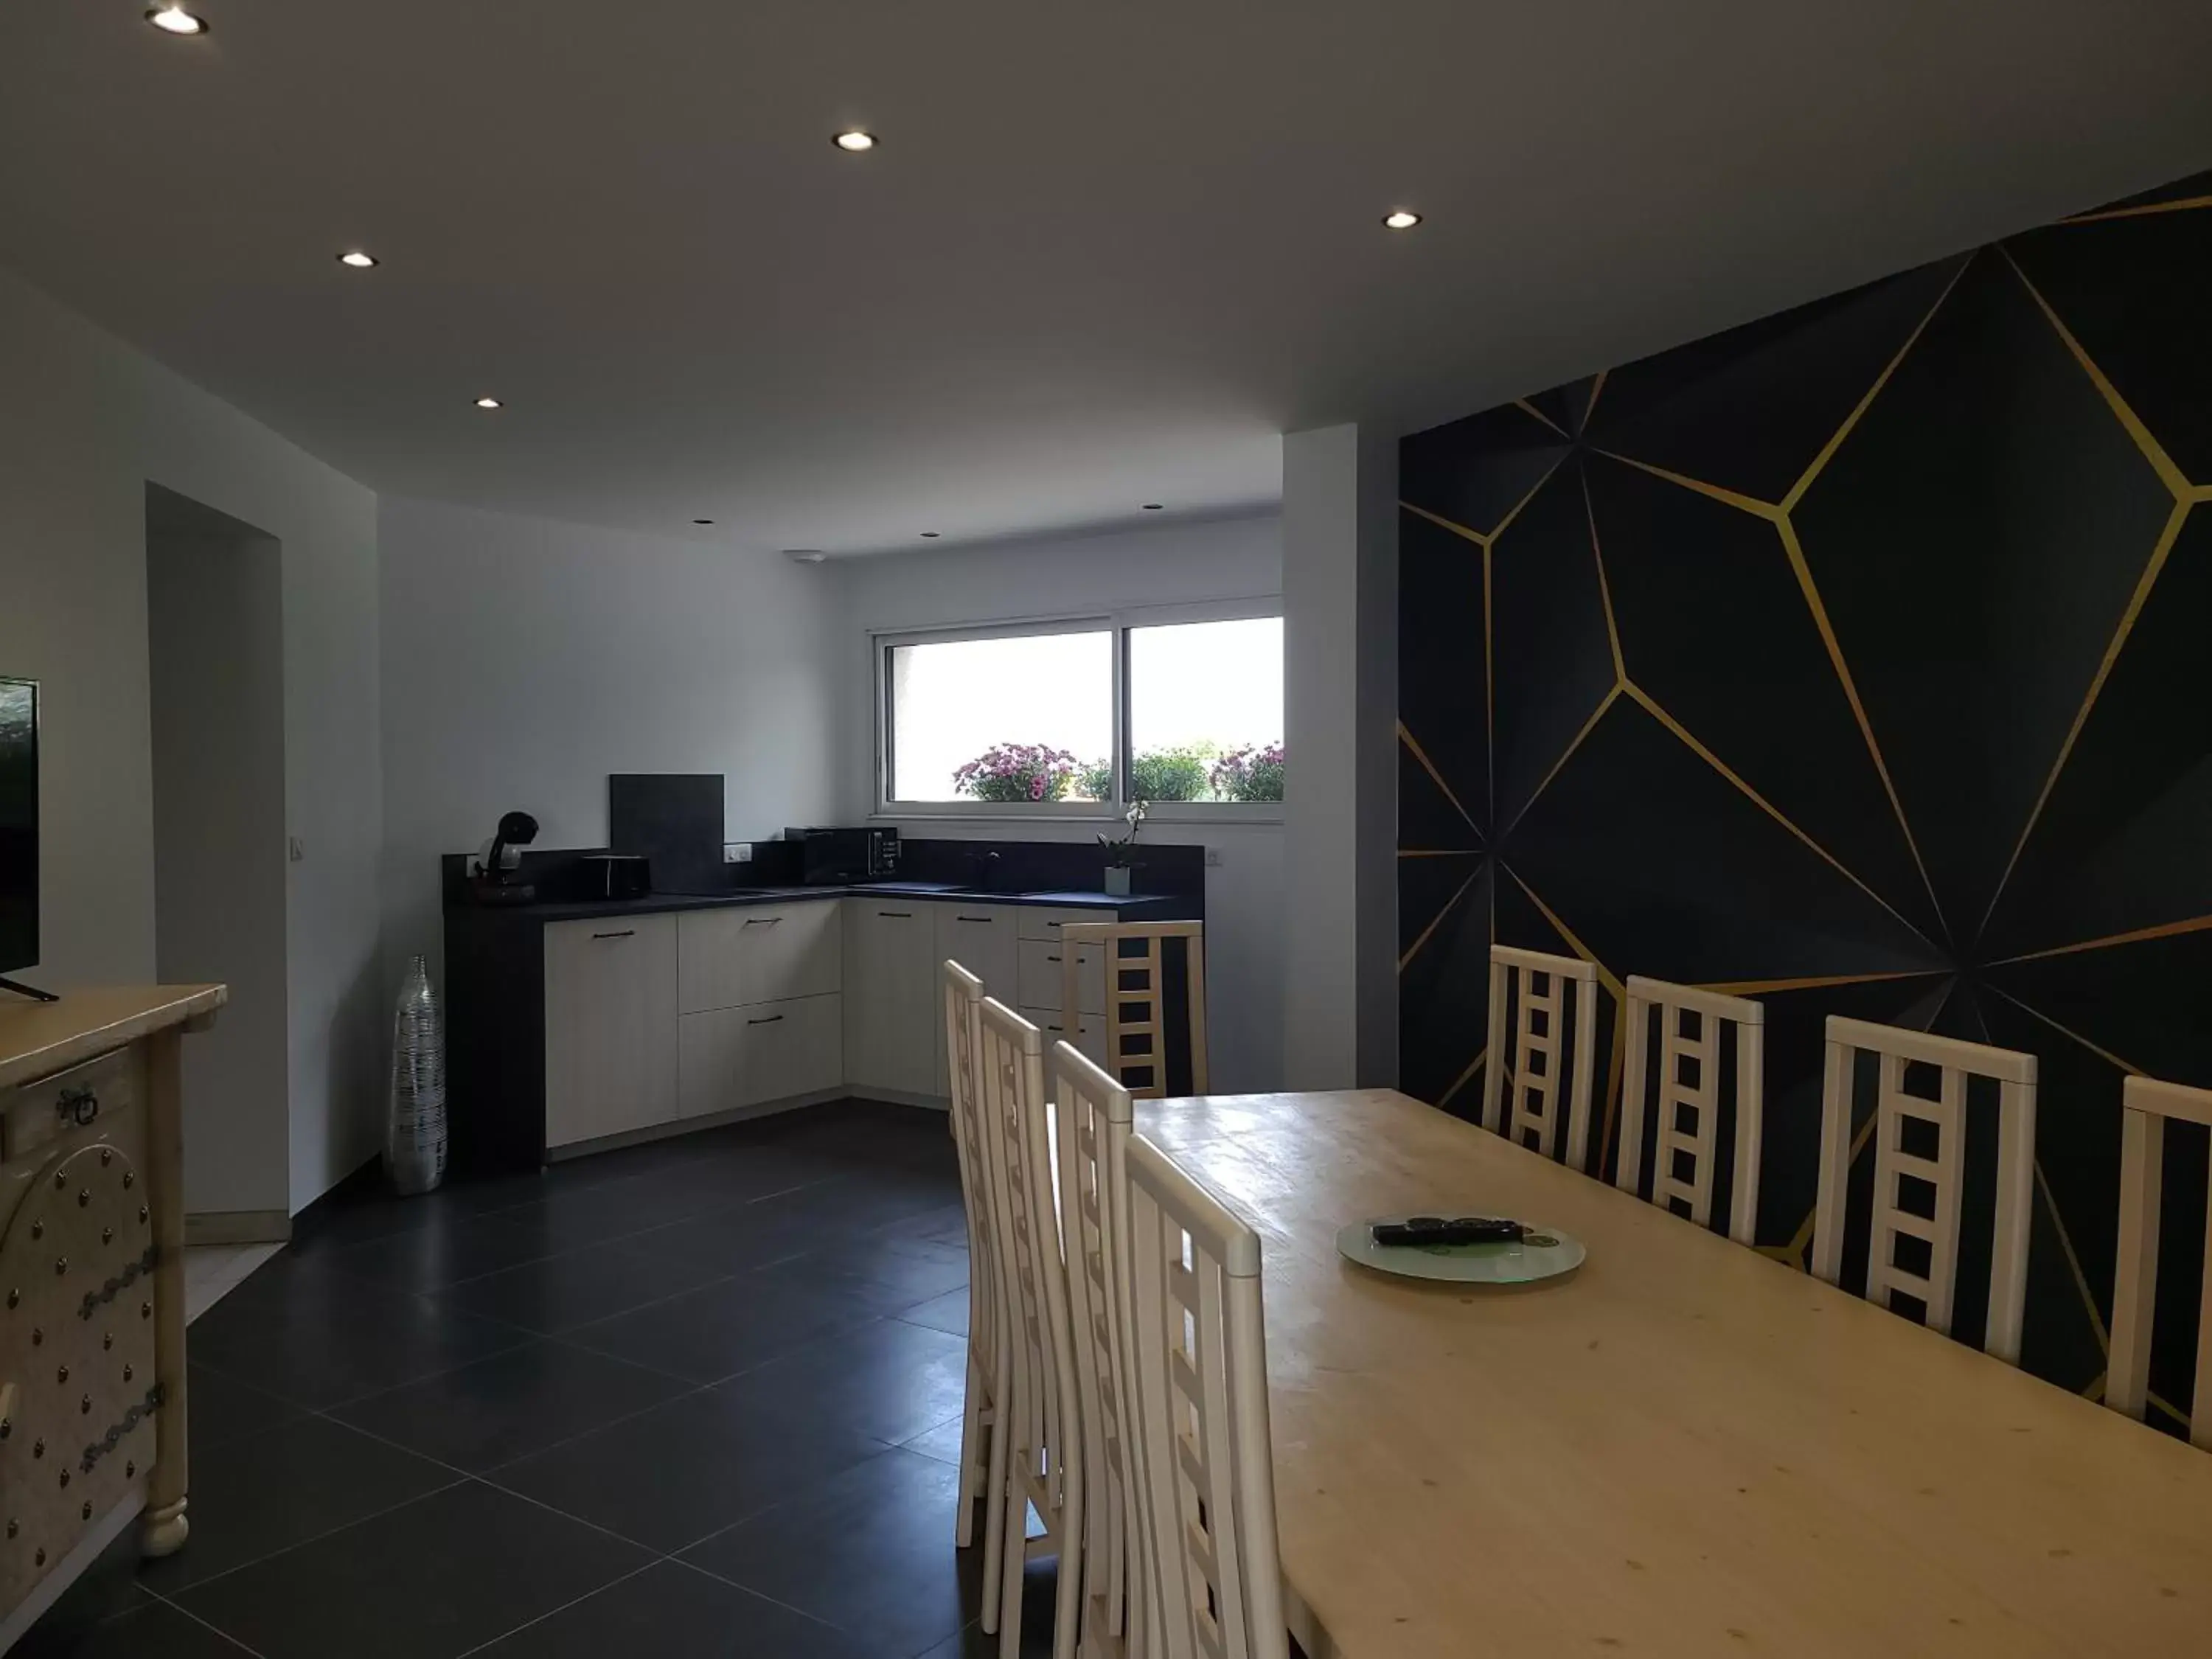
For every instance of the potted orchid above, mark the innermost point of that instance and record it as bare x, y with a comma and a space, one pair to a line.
1017, 772
1121, 850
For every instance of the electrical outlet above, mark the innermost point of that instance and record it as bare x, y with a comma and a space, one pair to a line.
1213, 858
737, 852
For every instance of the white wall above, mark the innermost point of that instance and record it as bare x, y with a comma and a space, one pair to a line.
1340, 673
215, 627
1227, 559
85, 423
525, 659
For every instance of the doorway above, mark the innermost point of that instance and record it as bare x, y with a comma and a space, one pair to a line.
215, 651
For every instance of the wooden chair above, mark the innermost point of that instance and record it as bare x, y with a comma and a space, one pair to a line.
982, 1447
1136, 998
1044, 1461
1092, 1117
1690, 1031
1535, 984
1955, 1062
1197, 1371
2148, 1105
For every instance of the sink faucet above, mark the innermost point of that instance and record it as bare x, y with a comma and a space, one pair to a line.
987, 865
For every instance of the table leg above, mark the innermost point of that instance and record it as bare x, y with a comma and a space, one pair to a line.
163, 1528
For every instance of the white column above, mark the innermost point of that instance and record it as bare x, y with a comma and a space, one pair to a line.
1340, 690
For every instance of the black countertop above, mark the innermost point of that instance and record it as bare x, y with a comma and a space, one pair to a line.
657, 903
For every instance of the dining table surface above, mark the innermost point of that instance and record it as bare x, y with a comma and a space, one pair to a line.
1681, 1449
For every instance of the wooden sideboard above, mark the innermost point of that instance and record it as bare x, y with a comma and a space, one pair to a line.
92, 1291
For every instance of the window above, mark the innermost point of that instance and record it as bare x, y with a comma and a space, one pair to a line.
1206, 710
1084, 714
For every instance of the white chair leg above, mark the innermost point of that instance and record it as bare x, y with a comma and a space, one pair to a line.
1016, 1556
974, 1462
995, 1521
1067, 1600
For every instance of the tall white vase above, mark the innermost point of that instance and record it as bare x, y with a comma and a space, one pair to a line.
415, 1113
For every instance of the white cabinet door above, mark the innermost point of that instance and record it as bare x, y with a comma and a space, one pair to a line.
985, 939
789, 1049
610, 1038
890, 985
1089, 1033
767, 1051
757, 953
1042, 923
1044, 966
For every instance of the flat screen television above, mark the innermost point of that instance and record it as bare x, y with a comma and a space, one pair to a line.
19, 825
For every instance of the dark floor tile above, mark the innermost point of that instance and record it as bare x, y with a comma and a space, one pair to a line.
153, 1631
266, 1492
941, 1442
705, 1181
513, 1404
887, 1379
870, 1551
106, 1588
670, 1610
668, 1477
429, 1580
886, 1274
318, 1339
442, 1251
947, 1313
558, 1292
946, 1224
1039, 1584
220, 1407
723, 1329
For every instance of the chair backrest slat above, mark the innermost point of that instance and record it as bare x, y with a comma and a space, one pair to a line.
1138, 980
1523, 1095
1692, 1028
1092, 1114
963, 1003
2147, 1103
1044, 1414
1896, 1110
1199, 1385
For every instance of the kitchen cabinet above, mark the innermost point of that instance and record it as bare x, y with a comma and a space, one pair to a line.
984, 940
731, 959
891, 986
733, 1057
610, 1026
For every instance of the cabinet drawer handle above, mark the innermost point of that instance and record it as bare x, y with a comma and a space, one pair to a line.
627, 933
763, 921
1052, 959
987, 919
896, 915
770, 1020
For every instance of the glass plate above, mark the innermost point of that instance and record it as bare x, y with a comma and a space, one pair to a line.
1545, 1252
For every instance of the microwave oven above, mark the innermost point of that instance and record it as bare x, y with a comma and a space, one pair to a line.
829, 857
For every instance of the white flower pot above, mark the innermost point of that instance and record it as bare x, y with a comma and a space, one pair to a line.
1117, 880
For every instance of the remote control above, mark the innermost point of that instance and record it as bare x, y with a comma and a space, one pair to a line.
1416, 1231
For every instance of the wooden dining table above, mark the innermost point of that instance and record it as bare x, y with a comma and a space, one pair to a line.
1681, 1449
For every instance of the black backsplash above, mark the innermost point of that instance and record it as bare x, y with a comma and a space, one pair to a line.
1163, 869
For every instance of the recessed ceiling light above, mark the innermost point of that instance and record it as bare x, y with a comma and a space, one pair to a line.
358, 260
489, 403
805, 555
1156, 506
175, 20
855, 140
1402, 219
930, 535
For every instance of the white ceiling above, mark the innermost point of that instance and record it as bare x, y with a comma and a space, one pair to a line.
1106, 253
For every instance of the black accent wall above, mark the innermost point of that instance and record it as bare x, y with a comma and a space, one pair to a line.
1858, 659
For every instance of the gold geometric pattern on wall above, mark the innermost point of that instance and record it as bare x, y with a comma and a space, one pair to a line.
1978, 472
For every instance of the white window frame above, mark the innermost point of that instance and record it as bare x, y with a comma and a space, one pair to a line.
1117, 623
